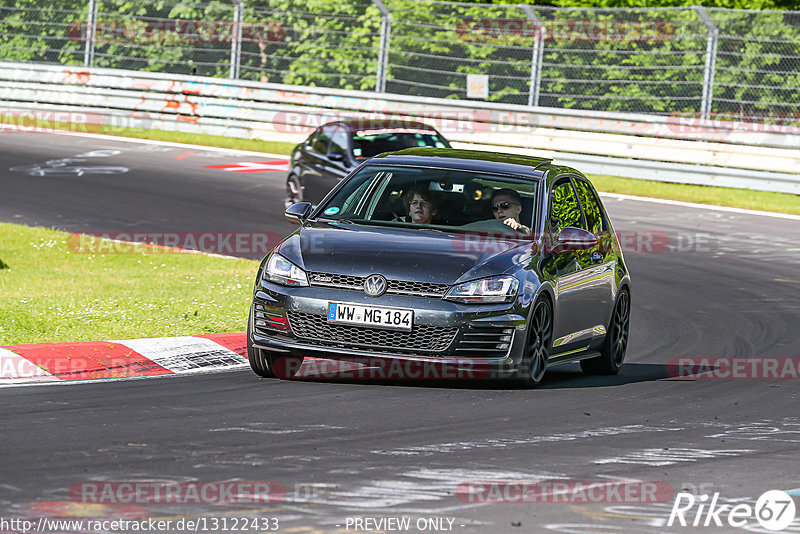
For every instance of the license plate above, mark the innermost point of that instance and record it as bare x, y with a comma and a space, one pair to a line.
376, 317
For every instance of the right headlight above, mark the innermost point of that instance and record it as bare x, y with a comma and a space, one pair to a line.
281, 271
486, 290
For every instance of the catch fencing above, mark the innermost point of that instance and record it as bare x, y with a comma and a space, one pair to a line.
676, 149
716, 64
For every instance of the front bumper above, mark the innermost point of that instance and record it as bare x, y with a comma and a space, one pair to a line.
293, 322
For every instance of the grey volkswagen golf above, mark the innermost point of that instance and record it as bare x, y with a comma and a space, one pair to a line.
497, 265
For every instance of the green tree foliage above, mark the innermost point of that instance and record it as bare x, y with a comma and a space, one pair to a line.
758, 65
435, 48
619, 59
729, 4
315, 42
31, 30
165, 36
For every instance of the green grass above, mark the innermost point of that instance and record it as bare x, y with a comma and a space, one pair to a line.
48, 292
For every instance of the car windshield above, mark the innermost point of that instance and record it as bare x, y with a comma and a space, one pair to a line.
373, 142
422, 197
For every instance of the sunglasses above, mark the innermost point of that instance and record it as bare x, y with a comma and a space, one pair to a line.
503, 205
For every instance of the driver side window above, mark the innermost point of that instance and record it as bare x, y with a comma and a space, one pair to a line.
564, 209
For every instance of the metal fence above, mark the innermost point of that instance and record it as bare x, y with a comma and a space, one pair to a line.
665, 61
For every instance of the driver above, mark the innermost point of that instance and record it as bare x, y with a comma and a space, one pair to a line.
506, 206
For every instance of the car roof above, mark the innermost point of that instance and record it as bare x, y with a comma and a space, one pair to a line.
474, 160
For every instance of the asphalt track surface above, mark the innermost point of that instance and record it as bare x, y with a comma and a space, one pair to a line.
729, 286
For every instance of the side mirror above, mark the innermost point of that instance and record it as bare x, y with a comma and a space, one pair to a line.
297, 213
336, 156
572, 238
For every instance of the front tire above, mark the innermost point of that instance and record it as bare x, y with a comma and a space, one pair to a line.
538, 346
612, 353
294, 191
259, 362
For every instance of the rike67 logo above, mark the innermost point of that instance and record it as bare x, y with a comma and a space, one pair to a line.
774, 510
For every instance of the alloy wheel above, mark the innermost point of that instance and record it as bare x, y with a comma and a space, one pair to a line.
294, 192
539, 341
622, 316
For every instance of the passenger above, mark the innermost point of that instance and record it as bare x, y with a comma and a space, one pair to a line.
506, 206
421, 205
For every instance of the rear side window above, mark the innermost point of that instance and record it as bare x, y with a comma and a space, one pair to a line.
564, 209
591, 208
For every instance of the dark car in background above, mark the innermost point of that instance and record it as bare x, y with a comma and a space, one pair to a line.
360, 279
336, 148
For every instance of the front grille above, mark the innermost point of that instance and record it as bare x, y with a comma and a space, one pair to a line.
338, 280
395, 287
421, 339
485, 342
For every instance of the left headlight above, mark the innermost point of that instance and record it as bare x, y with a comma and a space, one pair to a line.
281, 271
486, 290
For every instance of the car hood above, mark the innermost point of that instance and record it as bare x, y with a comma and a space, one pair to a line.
419, 255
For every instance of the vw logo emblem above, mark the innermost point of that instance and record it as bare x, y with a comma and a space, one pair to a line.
375, 285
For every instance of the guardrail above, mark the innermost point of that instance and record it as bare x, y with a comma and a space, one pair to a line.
677, 149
